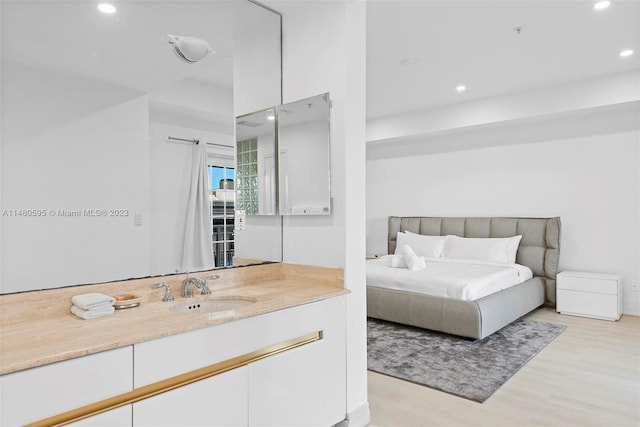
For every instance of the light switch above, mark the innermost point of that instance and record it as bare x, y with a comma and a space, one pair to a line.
241, 220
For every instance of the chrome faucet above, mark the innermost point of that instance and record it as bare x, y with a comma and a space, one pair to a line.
189, 283
212, 277
168, 296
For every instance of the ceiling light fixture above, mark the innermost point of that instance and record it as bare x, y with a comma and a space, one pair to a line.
190, 49
106, 8
601, 5
271, 117
625, 53
461, 88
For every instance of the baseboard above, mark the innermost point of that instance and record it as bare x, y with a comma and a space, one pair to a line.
360, 416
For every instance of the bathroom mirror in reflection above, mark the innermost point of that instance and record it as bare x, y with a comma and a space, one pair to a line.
304, 166
93, 187
256, 163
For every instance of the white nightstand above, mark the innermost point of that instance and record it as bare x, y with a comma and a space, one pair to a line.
589, 294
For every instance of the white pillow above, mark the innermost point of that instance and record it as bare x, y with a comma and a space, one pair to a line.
422, 245
512, 247
485, 249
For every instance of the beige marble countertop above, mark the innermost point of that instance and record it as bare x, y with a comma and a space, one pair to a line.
54, 334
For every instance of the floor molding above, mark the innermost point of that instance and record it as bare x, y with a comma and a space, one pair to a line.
360, 416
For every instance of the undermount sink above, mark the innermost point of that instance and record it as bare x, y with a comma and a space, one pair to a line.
213, 305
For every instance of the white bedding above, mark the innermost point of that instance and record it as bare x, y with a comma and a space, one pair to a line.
462, 279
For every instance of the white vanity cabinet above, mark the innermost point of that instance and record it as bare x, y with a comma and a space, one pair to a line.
33, 394
284, 368
304, 385
217, 401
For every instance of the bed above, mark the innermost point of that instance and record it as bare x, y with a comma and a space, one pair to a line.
475, 318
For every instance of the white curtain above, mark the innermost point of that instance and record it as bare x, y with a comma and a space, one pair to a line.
198, 250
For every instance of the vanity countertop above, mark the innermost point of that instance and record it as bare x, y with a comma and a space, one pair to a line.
28, 341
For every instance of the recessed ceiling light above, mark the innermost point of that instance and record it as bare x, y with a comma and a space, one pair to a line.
106, 8
601, 5
271, 117
409, 61
626, 52
461, 88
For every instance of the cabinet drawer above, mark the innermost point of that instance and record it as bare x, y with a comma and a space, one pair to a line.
588, 284
48, 390
600, 306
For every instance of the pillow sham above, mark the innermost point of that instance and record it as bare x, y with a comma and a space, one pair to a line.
422, 245
500, 249
512, 247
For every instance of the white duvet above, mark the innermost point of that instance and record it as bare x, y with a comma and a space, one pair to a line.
462, 279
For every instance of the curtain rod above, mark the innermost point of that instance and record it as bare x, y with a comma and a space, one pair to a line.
197, 141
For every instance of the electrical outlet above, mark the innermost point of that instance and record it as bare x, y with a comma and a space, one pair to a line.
634, 286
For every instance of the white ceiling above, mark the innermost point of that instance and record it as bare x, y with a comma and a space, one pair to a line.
469, 42
125, 48
474, 43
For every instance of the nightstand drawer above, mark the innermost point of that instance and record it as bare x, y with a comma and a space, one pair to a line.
586, 294
602, 284
600, 306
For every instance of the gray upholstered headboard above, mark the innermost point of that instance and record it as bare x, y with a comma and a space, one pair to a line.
539, 248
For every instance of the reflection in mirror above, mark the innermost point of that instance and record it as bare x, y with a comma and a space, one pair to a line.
222, 198
304, 166
93, 188
256, 163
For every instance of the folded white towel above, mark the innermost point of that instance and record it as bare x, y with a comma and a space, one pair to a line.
93, 301
413, 261
397, 261
93, 313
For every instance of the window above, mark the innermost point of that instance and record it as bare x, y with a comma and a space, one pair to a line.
217, 173
222, 190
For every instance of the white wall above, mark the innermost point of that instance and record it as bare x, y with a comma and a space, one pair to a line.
324, 51
591, 182
35, 101
257, 86
306, 184
100, 159
266, 167
256, 67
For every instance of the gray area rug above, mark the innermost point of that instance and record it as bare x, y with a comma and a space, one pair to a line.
466, 368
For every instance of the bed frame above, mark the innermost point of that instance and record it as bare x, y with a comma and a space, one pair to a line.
539, 250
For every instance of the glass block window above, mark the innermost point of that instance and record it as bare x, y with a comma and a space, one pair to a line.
247, 176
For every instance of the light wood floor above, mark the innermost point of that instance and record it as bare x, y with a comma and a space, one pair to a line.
587, 376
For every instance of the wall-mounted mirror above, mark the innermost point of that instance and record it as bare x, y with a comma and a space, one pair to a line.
93, 188
304, 166
256, 163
